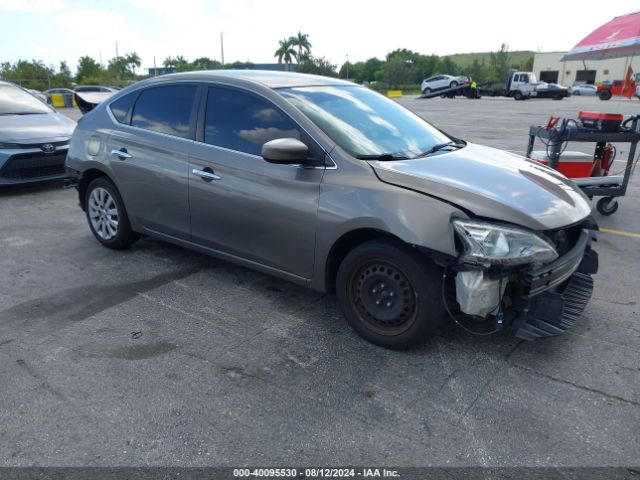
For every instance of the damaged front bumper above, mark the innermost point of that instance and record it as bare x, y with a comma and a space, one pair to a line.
536, 302
554, 296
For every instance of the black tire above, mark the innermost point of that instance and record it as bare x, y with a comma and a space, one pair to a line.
517, 95
426, 91
389, 294
98, 215
453, 84
576, 93
604, 94
607, 206
558, 96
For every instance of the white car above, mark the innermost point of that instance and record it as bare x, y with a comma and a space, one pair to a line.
440, 82
583, 89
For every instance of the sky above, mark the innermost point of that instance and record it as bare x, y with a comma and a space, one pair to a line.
56, 30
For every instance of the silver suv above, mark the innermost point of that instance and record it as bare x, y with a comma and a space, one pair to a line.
328, 184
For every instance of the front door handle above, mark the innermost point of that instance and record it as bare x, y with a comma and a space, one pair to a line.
206, 174
122, 154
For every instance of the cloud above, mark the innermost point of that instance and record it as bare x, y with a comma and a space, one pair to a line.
34, 6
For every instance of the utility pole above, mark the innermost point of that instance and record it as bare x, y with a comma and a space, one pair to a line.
222, 48
117, 51
347, 66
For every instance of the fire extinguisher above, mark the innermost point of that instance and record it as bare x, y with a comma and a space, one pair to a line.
608, 155
604, 157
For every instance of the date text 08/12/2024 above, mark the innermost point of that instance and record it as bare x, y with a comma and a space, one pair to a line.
314, 473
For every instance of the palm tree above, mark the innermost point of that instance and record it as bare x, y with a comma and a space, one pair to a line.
133, 60
301, 41
285, 51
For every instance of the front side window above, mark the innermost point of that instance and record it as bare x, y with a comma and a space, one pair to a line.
364, 122
165, 110
239, 121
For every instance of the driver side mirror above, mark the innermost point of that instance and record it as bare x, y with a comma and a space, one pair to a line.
285, 151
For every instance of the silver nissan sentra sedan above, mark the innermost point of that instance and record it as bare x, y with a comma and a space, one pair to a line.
328, 184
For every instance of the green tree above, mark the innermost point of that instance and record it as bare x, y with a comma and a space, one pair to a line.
63, 77
479, 71
500, 63
182, 64
363, 71
449, 67
285, 51
118, 68
87, 69
133, 60
205, 63
397, 72
527, 66
300, 41
318, 66
426, 66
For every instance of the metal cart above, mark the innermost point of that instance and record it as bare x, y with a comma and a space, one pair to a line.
608, 187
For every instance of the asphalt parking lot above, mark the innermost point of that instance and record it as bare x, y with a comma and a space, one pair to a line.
161, 356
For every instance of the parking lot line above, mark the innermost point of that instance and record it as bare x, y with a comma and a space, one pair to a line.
619, 232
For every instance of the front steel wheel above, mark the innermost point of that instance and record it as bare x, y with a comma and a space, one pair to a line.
384, 298
390, 294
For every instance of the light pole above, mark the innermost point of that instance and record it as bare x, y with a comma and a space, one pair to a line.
347, 66
222, 48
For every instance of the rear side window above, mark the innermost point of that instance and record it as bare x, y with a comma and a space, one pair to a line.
242, 122
165, 110
121, 108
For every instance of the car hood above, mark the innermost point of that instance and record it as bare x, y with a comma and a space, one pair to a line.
41, 126
494, 184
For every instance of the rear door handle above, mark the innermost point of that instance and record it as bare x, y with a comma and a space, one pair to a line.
122, 154
206, 174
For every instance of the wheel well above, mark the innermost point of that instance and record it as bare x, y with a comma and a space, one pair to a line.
87, 177
343, 246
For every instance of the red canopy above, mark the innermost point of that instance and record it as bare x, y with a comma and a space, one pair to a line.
618, 38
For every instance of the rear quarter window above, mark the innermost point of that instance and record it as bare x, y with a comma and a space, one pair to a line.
165, 110
121, 108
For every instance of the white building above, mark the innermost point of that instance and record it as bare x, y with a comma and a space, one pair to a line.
549, 68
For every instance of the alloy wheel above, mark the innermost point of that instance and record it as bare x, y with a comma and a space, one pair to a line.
103, 213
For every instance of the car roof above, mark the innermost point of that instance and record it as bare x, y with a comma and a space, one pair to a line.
268, 78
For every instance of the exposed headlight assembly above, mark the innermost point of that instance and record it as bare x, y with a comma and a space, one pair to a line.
501, 245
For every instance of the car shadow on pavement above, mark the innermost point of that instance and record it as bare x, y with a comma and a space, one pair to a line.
28, 189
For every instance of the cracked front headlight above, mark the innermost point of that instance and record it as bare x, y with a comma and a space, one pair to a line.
501, 245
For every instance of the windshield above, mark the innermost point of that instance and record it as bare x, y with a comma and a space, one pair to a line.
365, 123
14, 100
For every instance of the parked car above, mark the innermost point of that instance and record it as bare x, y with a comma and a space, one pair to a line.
93, 88
617, 88
66, 100
440, 82
329, 184
552, 90
583, 89
34, 138
38, 94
